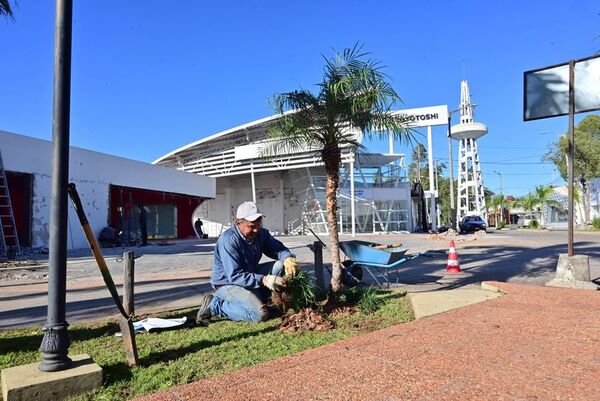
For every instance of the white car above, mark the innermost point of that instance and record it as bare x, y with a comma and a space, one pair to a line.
525, 220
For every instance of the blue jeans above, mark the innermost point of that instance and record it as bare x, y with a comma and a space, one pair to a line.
243, 304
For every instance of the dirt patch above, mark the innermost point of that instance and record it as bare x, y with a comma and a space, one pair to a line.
453, 235
16, 264
305, 320
22, 270
22, 274
367, 325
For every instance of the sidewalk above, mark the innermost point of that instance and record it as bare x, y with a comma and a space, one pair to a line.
531, 343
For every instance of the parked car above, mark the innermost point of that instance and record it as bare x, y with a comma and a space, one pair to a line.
472, 223
525, 220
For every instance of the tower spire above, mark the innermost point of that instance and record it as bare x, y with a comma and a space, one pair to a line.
471, 198
466, 107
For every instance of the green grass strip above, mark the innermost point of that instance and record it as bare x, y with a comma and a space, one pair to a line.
182, 356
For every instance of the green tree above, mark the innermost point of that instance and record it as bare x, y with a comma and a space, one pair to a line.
354, 95
6, 10
587, 157
419, 168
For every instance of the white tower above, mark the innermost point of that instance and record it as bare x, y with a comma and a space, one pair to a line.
471, 199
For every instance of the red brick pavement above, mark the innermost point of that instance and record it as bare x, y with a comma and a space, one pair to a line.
534, 343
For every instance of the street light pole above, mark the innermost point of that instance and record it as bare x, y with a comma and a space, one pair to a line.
452, 211
571, 157
55, 343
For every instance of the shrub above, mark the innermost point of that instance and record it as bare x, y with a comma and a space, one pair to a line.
365, 298
301, 292
369, 302
596, 223
534, 224
500, 225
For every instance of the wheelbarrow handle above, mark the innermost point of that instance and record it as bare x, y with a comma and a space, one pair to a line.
317, 237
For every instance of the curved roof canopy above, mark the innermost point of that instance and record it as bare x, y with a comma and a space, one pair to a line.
241, 135
239, 150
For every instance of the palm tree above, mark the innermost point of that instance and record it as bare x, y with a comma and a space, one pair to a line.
354, 95
6, 10
496, 202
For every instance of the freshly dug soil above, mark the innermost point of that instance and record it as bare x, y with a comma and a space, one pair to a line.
305, 320
281, 300
342, 311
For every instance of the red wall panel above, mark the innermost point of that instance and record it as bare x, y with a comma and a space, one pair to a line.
128, 197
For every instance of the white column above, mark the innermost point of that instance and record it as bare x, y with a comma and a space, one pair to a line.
282, 197
433, 212
253, 182
373, 210
352, 211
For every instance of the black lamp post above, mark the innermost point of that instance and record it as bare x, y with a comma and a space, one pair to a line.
55, 344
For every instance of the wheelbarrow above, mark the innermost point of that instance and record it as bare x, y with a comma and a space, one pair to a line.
372, 256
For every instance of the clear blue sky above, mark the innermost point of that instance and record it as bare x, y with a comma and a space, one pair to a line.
151, 76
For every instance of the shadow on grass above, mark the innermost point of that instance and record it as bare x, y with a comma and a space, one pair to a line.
387, 295
32, 342
172, 354
116, 372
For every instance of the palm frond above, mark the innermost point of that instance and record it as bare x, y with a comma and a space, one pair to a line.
6, 10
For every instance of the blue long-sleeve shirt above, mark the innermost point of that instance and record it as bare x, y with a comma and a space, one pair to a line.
236, 259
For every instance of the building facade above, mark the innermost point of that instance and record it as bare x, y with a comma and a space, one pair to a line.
289, 189
111, 189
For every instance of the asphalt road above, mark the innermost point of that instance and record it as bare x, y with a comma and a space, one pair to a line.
173, 276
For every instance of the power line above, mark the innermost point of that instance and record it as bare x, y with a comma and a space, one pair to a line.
516, 158
512, 164
548, 173
512, 147
505, 162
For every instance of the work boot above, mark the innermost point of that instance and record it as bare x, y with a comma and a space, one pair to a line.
204, 312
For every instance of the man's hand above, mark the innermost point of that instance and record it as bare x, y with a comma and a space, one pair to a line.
290, 266
274, 283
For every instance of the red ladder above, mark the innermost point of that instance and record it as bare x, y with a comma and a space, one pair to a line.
9, 239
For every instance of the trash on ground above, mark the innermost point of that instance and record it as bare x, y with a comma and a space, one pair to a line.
155, 324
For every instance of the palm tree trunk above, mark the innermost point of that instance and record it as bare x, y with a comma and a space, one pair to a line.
332, 159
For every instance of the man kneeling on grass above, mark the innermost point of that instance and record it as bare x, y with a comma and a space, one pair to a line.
242, 285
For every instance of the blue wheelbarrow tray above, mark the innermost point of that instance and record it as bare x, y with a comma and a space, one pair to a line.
364, 254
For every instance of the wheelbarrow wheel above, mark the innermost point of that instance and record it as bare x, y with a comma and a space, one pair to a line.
353, 274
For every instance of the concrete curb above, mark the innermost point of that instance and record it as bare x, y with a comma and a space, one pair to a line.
434, 302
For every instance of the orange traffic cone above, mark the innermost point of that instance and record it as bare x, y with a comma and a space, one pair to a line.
453, 265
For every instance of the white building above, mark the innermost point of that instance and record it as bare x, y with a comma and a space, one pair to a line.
110, 189
289, 189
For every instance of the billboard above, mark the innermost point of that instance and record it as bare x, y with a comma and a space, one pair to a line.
546, 90
424, 116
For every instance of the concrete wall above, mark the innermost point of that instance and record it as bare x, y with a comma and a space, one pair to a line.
92, 172
276, 197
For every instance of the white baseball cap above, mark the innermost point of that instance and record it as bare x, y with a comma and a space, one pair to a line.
248, 211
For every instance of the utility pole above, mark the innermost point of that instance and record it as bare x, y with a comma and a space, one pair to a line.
501, 193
